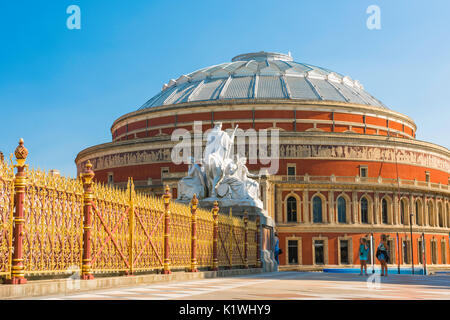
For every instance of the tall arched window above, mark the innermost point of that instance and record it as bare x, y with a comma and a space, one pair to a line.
364, 210
402, 212
430, 214
440, 216
417, 213
384, 211
342, 210
448, 216
291, 209
317, 209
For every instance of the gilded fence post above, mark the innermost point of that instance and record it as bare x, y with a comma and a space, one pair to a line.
215, 212
246, 240
131, 194
20, 182
194, 203
258, 242
88, 197
166, 197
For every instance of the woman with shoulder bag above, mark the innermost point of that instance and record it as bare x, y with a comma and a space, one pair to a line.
382, 255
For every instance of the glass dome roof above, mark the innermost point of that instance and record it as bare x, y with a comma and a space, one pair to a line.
262, 75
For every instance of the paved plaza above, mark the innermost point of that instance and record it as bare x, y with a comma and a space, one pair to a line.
285, 286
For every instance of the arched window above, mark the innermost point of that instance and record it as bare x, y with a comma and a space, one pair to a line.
448, 216
384, 211
417, 213
317, 209
430, 214
402, 212
291, 209
364, 210
440, 216
342, 208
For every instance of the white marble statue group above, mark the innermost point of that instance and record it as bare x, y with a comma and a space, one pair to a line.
221, 175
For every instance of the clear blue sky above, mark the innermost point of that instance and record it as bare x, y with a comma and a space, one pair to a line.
62, 89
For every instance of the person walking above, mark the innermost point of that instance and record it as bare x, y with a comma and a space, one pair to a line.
363, 255
382, 255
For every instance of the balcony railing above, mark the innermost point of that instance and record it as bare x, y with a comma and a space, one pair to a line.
360, 180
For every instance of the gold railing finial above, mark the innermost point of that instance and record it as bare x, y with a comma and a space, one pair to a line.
194, 201
88, 174
167, 195
215, 209
21, 153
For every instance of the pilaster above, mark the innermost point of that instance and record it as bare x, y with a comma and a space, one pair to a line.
355, 207
306, 206
279, 205
331, 217
396, 211
377, 211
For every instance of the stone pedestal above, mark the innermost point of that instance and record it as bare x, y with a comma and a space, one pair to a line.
268, 245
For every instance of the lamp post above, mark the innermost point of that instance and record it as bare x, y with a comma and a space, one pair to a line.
398, 253
424, 255
412, 245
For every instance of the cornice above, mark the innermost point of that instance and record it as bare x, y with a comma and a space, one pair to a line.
356, 228
303, 138
248, 104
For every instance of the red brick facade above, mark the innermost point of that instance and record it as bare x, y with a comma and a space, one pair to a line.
330, 177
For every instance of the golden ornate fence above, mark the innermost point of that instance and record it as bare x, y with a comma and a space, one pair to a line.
232, 242
62, 225
110, 229
53, 215
205, 232
148, 233
252, 243
180, 236
238, 242
6, 217
224, 243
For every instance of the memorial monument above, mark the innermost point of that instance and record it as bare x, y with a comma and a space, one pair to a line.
224, 177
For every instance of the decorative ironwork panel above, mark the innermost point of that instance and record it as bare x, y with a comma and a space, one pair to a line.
252, 240
238, 240
53, 224
180, 235
110, 229
224, 241
6, 216
205, 238
148, 233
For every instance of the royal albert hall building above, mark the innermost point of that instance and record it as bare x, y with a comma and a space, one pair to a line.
349, 166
